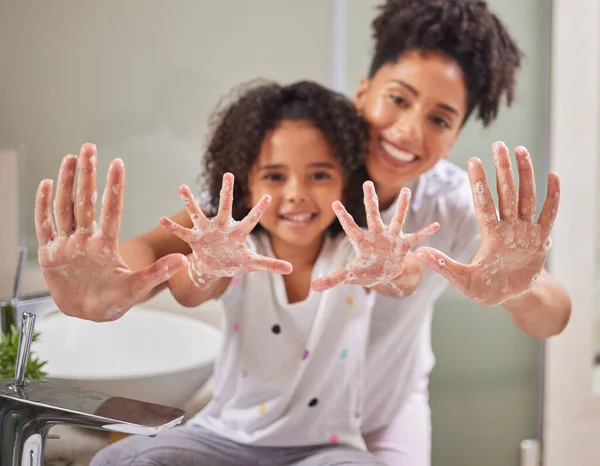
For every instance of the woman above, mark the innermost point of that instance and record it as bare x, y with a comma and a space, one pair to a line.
436, 62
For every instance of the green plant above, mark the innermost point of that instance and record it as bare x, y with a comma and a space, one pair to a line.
9, 346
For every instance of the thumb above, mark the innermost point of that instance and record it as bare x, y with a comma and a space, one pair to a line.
148, 278
456, 273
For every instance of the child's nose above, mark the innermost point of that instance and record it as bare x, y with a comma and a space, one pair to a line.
296, 191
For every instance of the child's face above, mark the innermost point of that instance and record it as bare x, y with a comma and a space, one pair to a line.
296, 166
415, 108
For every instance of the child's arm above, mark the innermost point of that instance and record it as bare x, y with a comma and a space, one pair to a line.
219, 249
383, 259
191, 288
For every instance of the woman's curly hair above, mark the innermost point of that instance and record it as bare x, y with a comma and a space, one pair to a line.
466, 31
237, 130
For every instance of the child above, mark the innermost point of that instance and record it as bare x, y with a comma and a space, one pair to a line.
289, 378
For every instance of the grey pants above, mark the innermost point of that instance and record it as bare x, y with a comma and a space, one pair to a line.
191, 445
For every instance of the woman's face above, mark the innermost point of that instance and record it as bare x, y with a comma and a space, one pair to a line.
415, 107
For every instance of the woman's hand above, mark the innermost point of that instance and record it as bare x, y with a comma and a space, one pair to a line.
79, 258
513, 246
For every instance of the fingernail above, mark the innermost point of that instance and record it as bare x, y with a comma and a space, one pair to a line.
523, 151
473, 161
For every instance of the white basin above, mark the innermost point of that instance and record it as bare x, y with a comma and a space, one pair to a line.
149, 355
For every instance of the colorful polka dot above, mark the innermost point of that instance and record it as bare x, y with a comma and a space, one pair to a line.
236, 327
343, 354
334, 438
349, 300
262, 409
276, 329
305, 354
235, 281
312, 403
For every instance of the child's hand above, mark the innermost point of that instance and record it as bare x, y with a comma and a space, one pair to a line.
80, 259
380, 251
219, 244
513, 248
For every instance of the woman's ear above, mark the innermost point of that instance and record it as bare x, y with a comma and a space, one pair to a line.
361, 94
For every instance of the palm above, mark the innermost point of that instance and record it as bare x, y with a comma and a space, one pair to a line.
84, 272
513, 249
219, 244
380, 251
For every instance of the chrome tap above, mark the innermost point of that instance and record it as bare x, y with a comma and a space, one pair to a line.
29, 408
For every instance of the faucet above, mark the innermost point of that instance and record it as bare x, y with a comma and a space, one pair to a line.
30, 408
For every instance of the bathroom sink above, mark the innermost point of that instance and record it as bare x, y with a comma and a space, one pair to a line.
148, 354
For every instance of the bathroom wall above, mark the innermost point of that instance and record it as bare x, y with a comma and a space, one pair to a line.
9, 233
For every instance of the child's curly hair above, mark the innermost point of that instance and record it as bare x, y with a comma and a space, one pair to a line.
466, 31
239, 128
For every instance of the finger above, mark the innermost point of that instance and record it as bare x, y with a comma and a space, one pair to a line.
63, 203
550, 208
44, 226
456, 273
251, 220
505, 181
397, 221
85, 198
329, 281
145, 280
371, 201
424, 233
269, 264
526, 184
113, 200
482, 198
352, 230
225, 200
181, 232
196, 215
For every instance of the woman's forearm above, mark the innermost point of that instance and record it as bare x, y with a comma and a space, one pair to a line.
544, 310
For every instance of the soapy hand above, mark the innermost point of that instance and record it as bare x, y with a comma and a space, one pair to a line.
380, 251
513, 248
80, 259
219, 244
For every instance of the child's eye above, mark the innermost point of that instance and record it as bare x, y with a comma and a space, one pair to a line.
273, 177
321, 176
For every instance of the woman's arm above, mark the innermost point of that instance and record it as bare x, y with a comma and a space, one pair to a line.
507, 269
146, 249
544, 310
